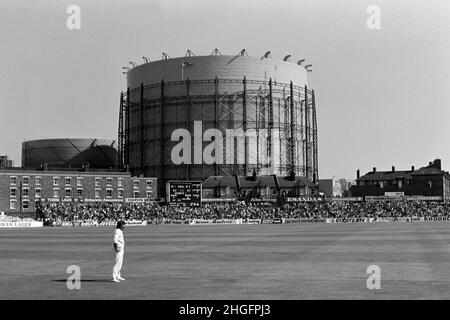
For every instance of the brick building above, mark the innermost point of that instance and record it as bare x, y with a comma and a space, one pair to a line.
429, 181
5, 162
21, 188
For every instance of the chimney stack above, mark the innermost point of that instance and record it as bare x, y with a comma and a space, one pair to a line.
412, 168
374, 169
292, 175
254, 176
437, 164
357, 174
393, 169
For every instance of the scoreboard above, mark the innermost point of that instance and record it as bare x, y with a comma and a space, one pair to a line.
184, 193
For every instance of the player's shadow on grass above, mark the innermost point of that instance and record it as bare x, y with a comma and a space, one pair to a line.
85, 280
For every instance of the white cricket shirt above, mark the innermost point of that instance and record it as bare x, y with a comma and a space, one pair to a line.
118, 238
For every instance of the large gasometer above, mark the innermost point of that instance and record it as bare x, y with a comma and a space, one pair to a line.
189, 118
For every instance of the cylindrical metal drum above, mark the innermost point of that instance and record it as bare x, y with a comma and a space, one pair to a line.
70, 153
194, 117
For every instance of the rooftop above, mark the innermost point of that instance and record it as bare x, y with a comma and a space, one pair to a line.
433, 167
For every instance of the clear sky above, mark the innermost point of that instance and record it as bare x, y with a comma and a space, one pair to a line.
382, 96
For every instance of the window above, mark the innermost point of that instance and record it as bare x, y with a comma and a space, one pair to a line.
109, 182
149, 184
25, 204
13, 205
109, 193
136, 194
38, 181
13, 192
97, 182
25, 192
120, 193
38, 193
26, 181
56, 181
13, 180
97, 193
135, 183
68, 181
67, 192
55, 193
120, 182
429, 183
149, 193
79, 192
79, 182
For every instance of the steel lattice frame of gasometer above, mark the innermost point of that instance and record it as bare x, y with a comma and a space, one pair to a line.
150, 112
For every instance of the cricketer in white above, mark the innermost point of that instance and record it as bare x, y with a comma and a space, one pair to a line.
119, 248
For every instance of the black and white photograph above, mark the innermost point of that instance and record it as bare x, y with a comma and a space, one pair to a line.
226, 155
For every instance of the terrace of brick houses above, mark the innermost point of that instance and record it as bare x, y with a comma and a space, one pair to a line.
429, 180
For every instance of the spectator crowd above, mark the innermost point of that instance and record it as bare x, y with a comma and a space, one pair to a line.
99, 212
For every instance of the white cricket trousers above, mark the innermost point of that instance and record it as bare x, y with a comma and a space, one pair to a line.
118, 264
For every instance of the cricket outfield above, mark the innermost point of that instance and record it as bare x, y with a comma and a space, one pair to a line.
289, 261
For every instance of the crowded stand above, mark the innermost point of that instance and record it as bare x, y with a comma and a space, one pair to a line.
6, 218
101, 213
